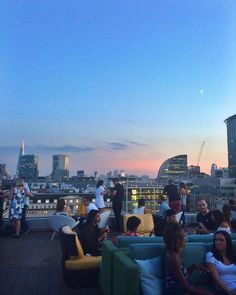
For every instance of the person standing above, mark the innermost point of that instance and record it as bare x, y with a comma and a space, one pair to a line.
16, 205
184, 194
163, 207
100, 192
24, 226
117, 198
173, 195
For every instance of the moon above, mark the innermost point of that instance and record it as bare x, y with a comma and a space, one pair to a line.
201, 91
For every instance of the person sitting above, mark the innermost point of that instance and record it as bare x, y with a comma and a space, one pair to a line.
89, 204
233, 226
133, 223
61, 208
175, 273
219, 221
169, 219
163, 207
227, 213
91, 236
141, 209
221, 262
205, 224
232, 206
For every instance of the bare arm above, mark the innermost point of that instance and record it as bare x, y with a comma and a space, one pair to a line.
202, 229
216, 278
175, 266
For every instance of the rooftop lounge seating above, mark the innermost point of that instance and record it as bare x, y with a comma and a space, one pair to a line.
125, 269
57, 221
79, 270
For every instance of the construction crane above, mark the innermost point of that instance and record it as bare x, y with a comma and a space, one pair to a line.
200, 152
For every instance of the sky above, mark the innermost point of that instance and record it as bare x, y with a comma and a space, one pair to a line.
116, 84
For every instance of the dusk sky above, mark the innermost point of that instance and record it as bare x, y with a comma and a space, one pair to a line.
120, 84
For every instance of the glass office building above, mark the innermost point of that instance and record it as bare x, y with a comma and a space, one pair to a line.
174, 168
231, 139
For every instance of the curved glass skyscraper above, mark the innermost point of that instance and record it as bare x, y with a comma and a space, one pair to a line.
173, 168
231, 139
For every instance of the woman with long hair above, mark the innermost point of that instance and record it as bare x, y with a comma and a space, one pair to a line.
221, 262
175, 273
91, 236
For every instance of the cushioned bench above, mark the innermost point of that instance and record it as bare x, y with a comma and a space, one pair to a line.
126, 272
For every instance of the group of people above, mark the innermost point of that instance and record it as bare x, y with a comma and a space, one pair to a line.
215, 220
117, 196
220, 264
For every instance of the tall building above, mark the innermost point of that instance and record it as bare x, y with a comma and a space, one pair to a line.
28, 167
3, 171
231, 139
174, 168
60, 167
213, 169
21, 153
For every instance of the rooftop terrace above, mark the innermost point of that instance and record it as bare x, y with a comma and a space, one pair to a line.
31, 265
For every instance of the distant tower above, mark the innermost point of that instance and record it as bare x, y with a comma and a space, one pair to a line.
231, 139
21, 153
28, 169
213, 169
60, 167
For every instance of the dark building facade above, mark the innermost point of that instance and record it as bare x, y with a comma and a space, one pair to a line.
231, 140
28, 167
60, 164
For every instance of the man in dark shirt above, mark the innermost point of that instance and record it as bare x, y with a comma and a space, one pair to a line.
204, 221
173, 195
117, 198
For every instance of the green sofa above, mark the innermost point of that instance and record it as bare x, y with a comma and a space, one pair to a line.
126, 243
126, 278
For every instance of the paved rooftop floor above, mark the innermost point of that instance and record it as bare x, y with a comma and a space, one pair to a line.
31, 266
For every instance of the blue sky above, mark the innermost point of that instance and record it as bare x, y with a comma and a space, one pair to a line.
116, 84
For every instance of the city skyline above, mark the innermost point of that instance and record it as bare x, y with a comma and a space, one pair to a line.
116, 85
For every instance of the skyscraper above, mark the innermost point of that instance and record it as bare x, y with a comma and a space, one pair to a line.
21, 153
28, 167
231, 139
174, 168
60, 167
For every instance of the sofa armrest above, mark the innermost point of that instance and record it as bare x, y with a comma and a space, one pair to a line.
125, 275
106, 276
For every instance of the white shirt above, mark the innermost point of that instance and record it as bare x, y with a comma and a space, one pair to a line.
91, 206
227, 273
99, 197
139, 210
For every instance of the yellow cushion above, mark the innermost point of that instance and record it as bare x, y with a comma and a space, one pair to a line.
146, 225
67, 230
82, 209
87, 262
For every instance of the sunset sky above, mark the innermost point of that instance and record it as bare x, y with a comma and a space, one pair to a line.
120, 84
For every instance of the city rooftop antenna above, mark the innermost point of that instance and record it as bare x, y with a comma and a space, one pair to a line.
200, 152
